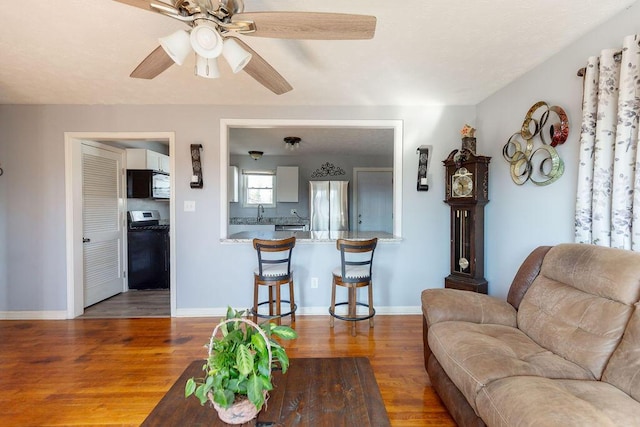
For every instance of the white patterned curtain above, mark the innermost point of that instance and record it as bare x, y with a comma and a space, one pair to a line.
608, 197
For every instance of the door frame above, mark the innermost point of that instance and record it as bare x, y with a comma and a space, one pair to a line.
354, 198
73, 210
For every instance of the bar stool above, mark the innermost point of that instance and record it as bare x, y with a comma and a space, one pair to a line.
274, 270
353, 273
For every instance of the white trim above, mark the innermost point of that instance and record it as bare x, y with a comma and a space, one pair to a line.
74, 226
302, 311
206, 312
33, 315
396, 125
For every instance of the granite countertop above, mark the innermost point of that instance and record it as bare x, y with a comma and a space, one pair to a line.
311, 236
280, 220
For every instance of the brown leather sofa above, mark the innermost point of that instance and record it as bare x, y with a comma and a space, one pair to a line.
562, 350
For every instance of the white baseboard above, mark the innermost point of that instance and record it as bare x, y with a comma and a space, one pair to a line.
205, 312
302, 311
33, 315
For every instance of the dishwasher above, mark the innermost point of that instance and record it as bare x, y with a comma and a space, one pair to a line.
291, 227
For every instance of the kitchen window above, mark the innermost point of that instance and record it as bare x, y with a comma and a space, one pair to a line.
259, 188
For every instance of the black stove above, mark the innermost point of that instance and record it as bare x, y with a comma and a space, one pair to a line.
154, 227
148, 250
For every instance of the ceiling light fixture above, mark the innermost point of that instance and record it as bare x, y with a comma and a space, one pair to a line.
291, 142
208, 44
177, 46
255, 155
207, 67
235, 55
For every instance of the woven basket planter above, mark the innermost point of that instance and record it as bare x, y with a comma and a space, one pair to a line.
242, 410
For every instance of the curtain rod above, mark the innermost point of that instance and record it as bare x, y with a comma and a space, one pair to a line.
616, 57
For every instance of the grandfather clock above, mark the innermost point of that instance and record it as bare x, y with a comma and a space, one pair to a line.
467, 192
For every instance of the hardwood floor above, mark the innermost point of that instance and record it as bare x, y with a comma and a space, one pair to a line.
146, 303
114, 371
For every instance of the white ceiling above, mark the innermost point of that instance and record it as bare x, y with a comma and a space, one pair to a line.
451, 52
314, 141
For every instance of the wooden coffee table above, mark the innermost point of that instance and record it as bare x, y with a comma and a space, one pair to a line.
314, 392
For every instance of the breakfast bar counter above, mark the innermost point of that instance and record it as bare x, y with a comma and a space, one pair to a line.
310, 236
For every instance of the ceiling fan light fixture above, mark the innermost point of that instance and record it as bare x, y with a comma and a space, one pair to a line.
207, 67
255, 155
206, 41
177, 45
236, 56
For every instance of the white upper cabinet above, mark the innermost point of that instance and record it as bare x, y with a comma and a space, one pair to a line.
287, 184
140, 158
232, 184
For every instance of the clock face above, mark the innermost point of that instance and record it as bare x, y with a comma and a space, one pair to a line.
461, 183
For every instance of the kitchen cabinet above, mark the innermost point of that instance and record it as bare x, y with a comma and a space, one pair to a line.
237, 228
287, 184
140, 158
232, 184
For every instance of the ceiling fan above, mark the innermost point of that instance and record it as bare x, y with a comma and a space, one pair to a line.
215, 24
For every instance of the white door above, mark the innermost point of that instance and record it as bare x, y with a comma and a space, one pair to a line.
374, 200
102, 223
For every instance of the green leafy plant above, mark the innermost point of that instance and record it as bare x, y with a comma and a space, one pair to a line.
239, 362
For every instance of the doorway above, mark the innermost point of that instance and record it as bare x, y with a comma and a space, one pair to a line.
74, 208
373, 199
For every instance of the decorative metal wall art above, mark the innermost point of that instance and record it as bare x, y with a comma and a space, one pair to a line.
196, 164
541, 165
328, 169
423, 166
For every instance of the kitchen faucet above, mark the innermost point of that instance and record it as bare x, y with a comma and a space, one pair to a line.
260, 212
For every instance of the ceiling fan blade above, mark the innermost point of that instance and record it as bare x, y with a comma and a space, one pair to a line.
309, 25
142, 4
264, 73
155, 63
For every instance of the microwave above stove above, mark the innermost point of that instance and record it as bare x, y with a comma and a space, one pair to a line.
147, 184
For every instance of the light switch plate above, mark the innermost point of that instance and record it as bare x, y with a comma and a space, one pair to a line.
189, 206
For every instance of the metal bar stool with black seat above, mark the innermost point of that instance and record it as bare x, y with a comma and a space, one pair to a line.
274, 270
353, 273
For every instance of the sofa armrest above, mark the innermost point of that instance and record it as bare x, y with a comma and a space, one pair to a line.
526, 274
442, 305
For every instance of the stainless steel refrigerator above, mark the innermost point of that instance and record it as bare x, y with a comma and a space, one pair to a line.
329, 205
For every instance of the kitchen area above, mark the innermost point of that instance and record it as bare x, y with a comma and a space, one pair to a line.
311, 186
148, 194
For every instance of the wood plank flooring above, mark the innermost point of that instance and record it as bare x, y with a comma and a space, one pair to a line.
146, 303
112, 372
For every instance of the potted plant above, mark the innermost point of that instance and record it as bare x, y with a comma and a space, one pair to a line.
238, 367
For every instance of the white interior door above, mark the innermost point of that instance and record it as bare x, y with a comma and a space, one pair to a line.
102, 223
374, 200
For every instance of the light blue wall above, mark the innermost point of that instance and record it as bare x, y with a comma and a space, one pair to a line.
209, 273
520, 218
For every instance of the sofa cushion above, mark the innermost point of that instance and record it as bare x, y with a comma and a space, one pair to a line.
623, 370
474, 355
580, 302
536, 401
